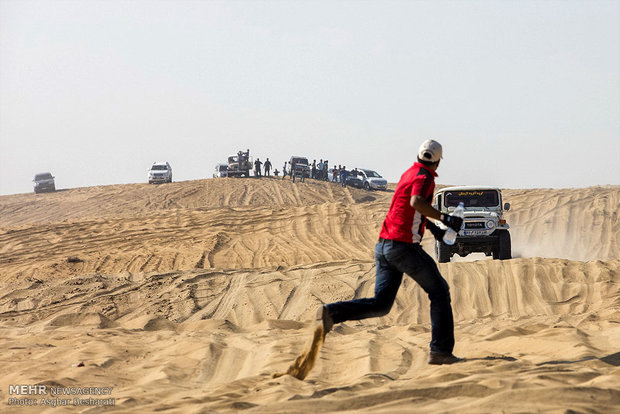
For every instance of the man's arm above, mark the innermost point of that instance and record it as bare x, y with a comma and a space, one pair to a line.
424, 207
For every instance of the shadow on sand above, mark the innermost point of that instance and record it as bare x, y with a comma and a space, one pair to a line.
491, 358
612, 359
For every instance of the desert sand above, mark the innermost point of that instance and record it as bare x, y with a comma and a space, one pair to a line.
187, 297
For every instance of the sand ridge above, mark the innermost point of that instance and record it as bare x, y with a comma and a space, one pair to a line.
191, 306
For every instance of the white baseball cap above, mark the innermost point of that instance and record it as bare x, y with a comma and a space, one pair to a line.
430, 150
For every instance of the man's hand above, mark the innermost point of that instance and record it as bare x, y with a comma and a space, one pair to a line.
452, 222
437, 232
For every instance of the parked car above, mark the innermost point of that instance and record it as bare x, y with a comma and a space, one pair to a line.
160, 172
221, 170
44, 182
371, 180
355, 178
484, 229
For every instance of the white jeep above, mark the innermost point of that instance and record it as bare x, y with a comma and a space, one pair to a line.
484, 228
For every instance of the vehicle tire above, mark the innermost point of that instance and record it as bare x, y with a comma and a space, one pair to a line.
503, 248
366, 186
442, 251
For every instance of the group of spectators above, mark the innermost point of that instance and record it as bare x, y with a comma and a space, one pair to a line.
317, 171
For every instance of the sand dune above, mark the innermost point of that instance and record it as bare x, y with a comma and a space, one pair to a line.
580, 224
142, 199
187, 297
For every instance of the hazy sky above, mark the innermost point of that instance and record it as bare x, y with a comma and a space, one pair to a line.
520, 94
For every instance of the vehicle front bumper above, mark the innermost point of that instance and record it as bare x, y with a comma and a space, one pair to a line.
45, 187
376, 186
355, 183
158, 179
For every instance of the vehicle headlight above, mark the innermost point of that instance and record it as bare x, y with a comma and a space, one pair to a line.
490, 224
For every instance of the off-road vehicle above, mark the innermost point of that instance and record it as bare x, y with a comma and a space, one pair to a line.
484, 228
44, 182
160, 172
300, 166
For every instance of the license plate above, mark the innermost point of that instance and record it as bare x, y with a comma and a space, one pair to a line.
474, 232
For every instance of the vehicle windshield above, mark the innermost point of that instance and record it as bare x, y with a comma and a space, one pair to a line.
300, 161
371, 174
472, 198
159, 167
45, 176
232, 159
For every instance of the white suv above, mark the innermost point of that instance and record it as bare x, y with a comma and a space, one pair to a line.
484, 228
372, 180
160, 172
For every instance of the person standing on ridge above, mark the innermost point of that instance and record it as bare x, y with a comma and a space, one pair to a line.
257, 165
267, 167
293, 169
343, 175
398, 251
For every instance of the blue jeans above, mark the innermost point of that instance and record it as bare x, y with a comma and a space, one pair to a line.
392, 259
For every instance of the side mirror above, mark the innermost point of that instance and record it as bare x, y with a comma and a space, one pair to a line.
506, 206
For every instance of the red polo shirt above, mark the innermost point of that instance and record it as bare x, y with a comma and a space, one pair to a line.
403, 223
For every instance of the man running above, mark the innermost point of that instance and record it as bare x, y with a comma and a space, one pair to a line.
398, 251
